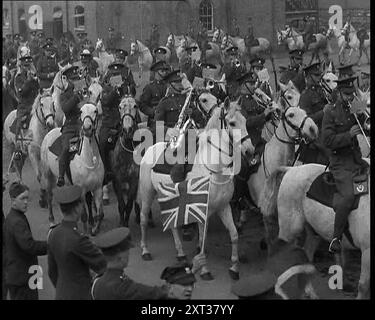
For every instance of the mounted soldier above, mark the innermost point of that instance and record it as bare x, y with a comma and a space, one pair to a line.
112, 42
26, 88
308, 32
154, 37
232, 70
82, 42
159, 55
47, 66
249, 38
118, 68
154, 92
70, 104
339, 132
89, 64
236, 28
12, 51
313, 101
295, 67
189, 66
209, 73
257, 66
202, 40
362, 35
34, 46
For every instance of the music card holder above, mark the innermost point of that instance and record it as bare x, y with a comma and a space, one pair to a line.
263, 75
116, 81
198, 83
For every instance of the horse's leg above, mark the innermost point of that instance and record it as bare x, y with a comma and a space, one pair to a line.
120, 203
364, 279
181, 256
312, 241
34, 155
147, 197
205, 273
106, 195
50, 181
84, 216
98, 199
227, 219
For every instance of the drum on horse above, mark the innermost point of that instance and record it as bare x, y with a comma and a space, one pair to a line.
41, 121
354, 43
102, 57
141, 54
86, 167
287, 190
223, 119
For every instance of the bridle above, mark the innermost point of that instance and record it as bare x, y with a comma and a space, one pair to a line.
93, 121
43, 118
133, 129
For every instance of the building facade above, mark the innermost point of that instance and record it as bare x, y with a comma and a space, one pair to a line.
133, 19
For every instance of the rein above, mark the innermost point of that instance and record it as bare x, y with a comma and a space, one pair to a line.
44, 118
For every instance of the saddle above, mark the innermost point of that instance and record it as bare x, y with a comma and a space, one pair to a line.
74, 143
25, 122
323, 189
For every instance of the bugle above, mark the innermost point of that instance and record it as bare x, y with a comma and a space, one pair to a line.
359, 124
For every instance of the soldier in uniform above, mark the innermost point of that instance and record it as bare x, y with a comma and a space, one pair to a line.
47, 66
12, 51
189, 66
71, 254
34, 45
346, 71
159, 55
21, 249
114, 284
26, 87
313, 101
111, 126
118, 67
209, 74
112, 41
89, 64
154, 37
308, 32
339, 131
82, 36
236, 28
154, 92
202, 40
70, 105
256, 66
41, 38
296, 62
232, 70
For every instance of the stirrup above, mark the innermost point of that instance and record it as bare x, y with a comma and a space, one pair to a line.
332, 248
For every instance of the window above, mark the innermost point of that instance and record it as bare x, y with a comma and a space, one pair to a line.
6, 18
79, 18
206, 14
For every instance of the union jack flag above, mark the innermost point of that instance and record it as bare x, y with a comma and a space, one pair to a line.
184, 202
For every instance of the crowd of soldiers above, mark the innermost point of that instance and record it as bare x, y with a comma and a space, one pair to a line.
162, 100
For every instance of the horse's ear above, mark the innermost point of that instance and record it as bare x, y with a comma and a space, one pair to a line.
226, 103
282, 86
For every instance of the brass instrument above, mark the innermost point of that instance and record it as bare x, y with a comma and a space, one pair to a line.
326, 90
359, 124
265, 101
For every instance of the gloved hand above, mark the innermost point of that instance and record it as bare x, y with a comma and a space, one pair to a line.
355, 130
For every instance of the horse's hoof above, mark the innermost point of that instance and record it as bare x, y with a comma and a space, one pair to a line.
43, 204
105, 202
151, 224
146, 257
207, 276
181, 258
263, 244
234, 275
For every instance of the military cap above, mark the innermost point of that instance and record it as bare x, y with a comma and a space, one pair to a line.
255, 285
257, 62
346, 71
297, 53
232, 50
68, 194
173, 76
121, 53
17, 36
346, 84
247, 77
179, 274
115, 66
85, 52
160, 65
71, 71
299, 82
49, 46
205, 65
81, 34
114, 241
313, 68
16, 188
50, 40
160, 50
111, 29
33, 33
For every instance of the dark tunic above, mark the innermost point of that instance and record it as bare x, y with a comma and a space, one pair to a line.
70, 107
45, 66
128, 86
231, 75
70, 257
114, 285
26, 91
169, 109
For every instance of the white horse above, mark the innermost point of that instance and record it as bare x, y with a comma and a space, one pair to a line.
333, 31
354, 42
181, 42
140, 53
103, 58
221, 189
42, 120
87, 169
296, 210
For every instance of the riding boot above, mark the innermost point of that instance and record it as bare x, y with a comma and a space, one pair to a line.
63, 159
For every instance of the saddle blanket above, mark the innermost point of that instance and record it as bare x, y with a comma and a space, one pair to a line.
185, 202
323, 189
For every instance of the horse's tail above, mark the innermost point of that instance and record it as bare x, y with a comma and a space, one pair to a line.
268, 202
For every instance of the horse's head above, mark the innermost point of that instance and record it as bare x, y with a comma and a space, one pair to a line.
129, 115
216, 35
298, 126
89, 114
206, 103
134, 48
329, 79
99, 46
46, 112
224, 41
170, 40
290, 95
95, 91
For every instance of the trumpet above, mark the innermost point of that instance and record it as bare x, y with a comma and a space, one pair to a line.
326, 90
265, 101
366, 124
211, 83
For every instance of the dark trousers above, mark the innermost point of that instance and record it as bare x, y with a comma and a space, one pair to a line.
64, 156
105, 146
344, 198
22, 293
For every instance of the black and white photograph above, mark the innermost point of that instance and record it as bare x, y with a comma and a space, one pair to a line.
186, 150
